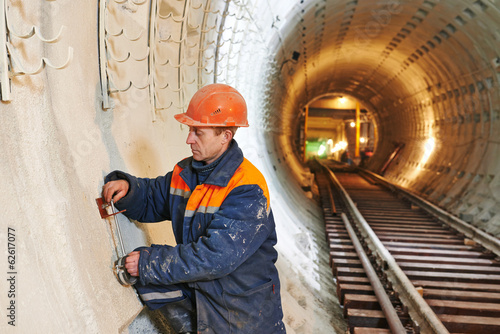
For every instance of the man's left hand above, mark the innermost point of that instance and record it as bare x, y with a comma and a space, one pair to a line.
132, 263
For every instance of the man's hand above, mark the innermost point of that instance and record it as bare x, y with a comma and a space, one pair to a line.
132, 263
115, 190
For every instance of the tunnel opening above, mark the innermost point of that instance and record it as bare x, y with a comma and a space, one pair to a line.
337, 126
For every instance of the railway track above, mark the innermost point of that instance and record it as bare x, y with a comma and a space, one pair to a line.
429, 273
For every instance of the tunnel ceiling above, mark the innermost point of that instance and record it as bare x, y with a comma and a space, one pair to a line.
389, 53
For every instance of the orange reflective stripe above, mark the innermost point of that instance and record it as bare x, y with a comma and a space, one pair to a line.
177, 185
208, 198
247, 173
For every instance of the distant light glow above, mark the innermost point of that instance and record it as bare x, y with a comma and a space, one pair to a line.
425, 149
342, 100
353, 124
429, 146
321, 150
362, 139
341, 145
330, 142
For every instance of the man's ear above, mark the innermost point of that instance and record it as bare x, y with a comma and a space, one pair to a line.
228, 136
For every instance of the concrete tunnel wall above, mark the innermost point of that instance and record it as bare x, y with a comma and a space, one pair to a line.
59, 142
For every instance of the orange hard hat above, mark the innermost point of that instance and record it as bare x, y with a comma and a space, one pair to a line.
217, 105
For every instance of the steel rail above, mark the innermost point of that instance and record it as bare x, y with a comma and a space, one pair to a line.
330, 197
486, 240
419, 310
385, 303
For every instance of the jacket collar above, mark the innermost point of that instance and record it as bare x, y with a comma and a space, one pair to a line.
221, 175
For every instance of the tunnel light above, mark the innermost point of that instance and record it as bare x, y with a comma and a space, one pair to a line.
321, 150
362, 139
334, 149
429, 146
330, 142
341, 145
342, 100
352, 124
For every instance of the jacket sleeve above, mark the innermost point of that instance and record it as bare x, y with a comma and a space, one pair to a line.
236, 232
147, 200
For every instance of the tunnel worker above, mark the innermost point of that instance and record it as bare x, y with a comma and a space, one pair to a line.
221, 276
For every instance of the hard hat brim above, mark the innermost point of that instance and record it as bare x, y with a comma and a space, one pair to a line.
185, 119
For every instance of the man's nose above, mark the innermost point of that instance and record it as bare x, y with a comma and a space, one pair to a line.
190, 138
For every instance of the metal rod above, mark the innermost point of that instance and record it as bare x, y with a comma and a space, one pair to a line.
219, 39
358, 128
4, 61
153, 13
103, 62
330, 196
306, 119
120, 240
385, 303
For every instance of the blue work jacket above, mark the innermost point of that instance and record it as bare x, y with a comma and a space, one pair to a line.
225, 235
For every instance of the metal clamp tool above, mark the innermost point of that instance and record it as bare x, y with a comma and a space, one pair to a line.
119, 266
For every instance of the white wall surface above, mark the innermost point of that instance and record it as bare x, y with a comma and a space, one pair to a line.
57, 144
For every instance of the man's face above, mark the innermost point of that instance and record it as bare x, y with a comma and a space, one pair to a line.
205, 144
